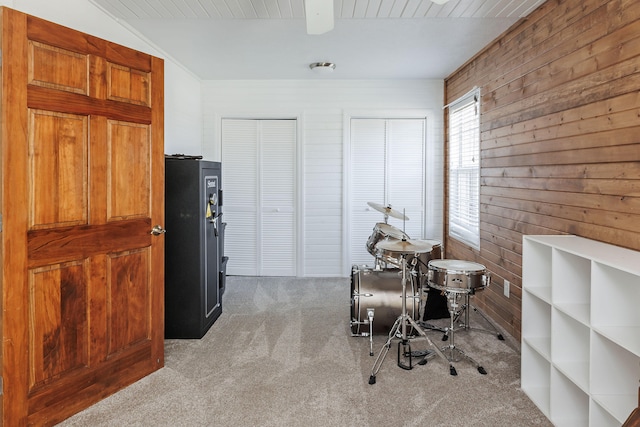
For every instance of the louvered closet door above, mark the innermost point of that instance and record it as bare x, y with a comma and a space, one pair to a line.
259, 176
387, 167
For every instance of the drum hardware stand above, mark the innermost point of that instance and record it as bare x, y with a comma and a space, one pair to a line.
370, 312
399, 330
451, 349
369, 321
467, 325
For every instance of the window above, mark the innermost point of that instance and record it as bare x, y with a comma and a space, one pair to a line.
464, 169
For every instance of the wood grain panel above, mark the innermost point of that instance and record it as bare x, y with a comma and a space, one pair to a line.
51, 246
128, 85
627, 170
58, 321
58, 153
57, 68
129, 306
129, 170
48, 99
560, 151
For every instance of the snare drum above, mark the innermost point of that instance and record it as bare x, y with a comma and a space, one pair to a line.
393, 257
383, 231
457, 276
382, 291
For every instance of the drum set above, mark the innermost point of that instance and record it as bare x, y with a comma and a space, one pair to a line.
428, 283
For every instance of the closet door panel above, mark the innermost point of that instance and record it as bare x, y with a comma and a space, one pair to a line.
367, 183
405, 150
278, 249
259, 158
240, 186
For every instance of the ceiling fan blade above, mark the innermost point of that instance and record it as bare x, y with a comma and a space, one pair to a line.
319, 15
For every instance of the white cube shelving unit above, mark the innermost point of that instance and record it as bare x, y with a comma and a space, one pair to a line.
580, 329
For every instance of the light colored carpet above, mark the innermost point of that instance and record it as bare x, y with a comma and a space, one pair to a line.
281, 354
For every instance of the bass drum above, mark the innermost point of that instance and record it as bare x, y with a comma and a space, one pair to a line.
382, 291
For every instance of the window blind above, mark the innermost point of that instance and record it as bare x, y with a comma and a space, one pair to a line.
464, 169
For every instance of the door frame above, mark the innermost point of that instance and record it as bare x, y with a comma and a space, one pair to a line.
299, 166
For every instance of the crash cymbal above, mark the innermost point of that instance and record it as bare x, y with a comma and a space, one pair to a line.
405, 246
387, 210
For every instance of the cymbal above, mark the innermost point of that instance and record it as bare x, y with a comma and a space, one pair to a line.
405, 246
387, 210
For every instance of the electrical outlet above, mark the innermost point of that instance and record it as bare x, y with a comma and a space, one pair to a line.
506, 288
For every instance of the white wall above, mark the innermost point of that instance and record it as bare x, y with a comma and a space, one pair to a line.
323, 107
183, 105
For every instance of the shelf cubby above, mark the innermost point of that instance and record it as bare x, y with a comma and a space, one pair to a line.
538, 334
616, 294
534, 255
614, 377
535, 380
569, 404
599, 417
570, 349
571, 284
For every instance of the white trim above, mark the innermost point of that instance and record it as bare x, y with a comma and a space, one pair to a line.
462, 234
462, 98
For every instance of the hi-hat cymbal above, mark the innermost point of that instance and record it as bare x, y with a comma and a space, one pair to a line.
387, 210
405, 246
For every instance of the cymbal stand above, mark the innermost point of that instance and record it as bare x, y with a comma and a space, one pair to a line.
399, 330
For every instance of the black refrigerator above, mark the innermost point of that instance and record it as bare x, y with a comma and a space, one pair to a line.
195, 265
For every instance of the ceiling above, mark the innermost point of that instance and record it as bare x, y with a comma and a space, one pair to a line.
267, 39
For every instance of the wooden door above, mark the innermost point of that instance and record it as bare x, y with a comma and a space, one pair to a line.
83, 176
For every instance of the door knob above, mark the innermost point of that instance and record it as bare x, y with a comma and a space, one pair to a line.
158, 230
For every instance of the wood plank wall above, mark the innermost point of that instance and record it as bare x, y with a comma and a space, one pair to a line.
560, 137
